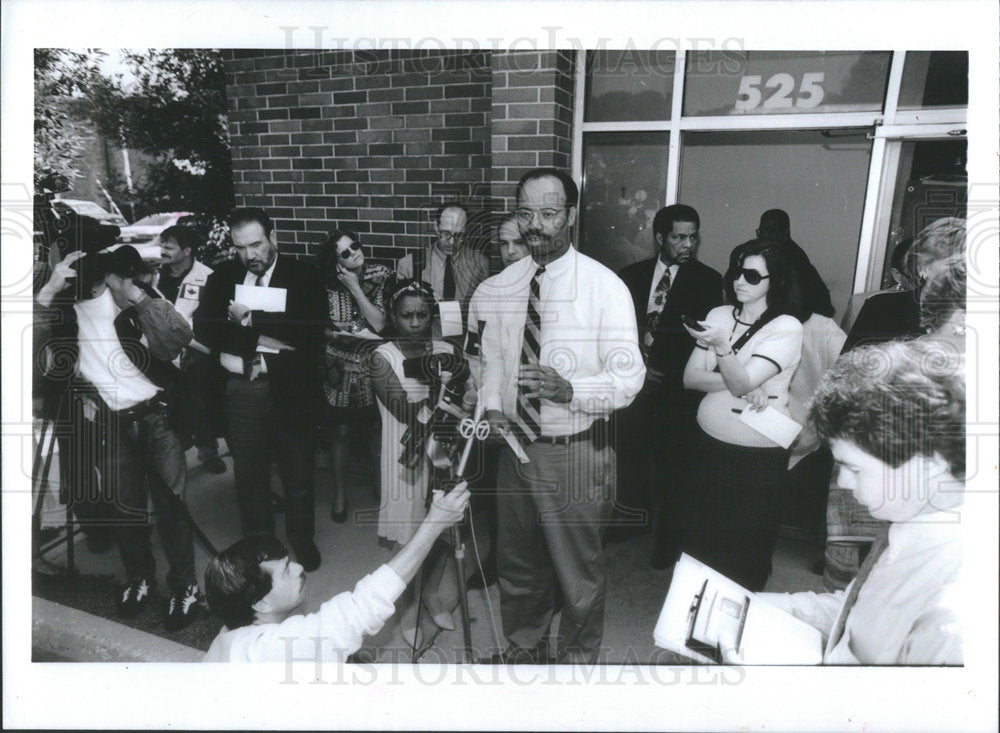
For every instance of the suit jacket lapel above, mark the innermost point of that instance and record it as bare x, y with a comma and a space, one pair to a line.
280, 274
646, 282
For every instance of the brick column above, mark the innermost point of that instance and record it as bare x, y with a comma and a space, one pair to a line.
532, 124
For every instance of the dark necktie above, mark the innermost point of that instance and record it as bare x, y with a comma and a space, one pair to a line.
253, 367
659, 299
529, 410
878, 547
449, 279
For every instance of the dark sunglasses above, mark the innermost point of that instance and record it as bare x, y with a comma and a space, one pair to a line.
352, 247
751, 276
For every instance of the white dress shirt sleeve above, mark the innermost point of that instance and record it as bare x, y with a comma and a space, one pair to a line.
492, 367
623, 372
819, 610
332, 633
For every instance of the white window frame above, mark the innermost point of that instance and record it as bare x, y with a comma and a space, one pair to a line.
889, 128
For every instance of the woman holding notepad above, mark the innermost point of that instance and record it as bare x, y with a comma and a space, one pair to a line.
894, 415
746, 355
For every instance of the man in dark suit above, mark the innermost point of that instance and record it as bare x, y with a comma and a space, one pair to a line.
652, 431
270, 352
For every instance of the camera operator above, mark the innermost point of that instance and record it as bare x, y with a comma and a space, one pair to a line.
255, 587
110, 351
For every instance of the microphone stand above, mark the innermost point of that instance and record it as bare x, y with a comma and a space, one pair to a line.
471, 430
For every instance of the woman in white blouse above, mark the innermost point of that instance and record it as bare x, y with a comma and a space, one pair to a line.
746, 355
894, 415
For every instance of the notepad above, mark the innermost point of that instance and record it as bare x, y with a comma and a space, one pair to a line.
451, 318
772, 424
270, 300
708, 617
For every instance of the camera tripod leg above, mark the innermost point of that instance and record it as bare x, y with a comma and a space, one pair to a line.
38, 479
463, 597
41, 467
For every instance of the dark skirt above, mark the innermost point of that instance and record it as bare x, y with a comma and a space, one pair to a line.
733, 508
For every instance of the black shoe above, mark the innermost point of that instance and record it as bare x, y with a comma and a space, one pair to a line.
182, 608
341, 516
133, 597
214, 465
519, 655
307, 555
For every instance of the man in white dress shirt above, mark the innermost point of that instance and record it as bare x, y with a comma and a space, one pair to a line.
559, 355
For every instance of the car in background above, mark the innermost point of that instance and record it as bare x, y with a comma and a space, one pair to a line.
148, 228
89, 209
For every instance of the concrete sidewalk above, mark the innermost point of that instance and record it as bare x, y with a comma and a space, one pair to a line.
63, 633
635, 592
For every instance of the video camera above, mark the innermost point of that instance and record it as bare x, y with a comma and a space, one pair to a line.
446, 375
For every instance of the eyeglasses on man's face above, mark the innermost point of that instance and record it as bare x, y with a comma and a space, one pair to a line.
547, 216
451, 236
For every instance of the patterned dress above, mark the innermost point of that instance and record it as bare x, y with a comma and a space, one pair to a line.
404, 490
347, 382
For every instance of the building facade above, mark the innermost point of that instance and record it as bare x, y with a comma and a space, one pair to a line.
860, 148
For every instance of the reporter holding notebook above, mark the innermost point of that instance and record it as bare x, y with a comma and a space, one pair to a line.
894, 415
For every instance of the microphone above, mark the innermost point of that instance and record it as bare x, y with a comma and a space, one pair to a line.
470, 399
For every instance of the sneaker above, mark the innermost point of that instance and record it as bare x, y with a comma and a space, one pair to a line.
133, 597
182, 608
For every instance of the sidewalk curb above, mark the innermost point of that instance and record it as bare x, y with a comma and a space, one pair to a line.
83, 637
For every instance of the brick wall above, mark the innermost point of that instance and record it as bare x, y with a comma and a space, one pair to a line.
360, 138
377, 140
532, 115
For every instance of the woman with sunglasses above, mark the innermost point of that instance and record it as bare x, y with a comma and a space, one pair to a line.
354, 291
747, 352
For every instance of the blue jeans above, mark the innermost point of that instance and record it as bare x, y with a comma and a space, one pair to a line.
258, 434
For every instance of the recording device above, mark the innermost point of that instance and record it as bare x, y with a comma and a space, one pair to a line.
446, 374
692, 323
430, 368
718, 617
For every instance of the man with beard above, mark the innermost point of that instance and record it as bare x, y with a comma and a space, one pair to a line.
651, 432
271, 358
558, 357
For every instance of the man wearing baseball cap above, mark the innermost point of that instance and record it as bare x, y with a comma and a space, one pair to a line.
116, 343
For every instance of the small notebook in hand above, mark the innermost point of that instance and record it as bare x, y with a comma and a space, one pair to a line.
772, 424
711, 619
